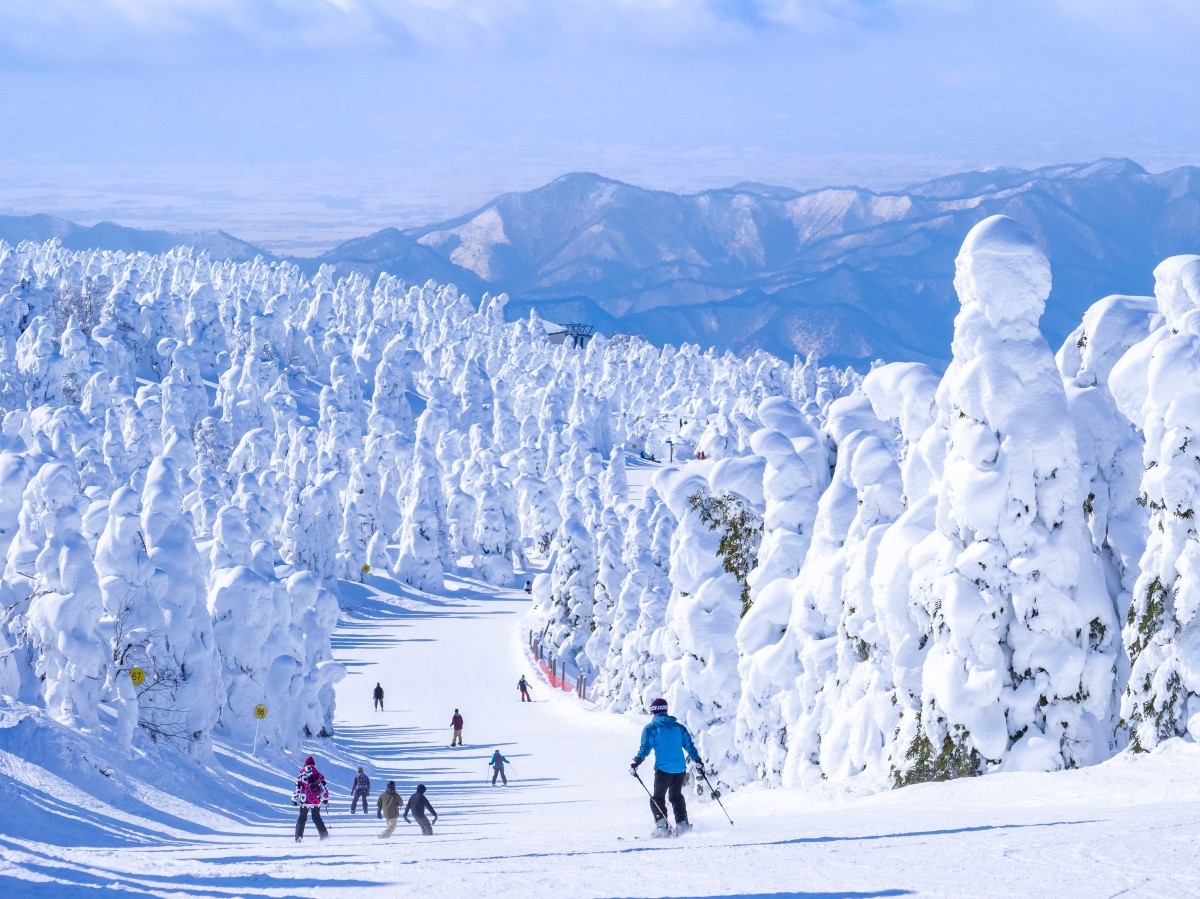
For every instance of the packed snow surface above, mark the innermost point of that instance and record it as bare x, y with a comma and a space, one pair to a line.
571, 822
233, 498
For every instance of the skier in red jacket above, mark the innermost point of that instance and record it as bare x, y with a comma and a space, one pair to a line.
457, 723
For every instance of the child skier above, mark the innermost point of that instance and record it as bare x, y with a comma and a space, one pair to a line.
311, 792
388, 806
360, 789
457, 724
417, 804
523, 686
497, 764
669, 740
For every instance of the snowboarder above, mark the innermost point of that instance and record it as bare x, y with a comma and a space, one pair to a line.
311, 792
378, 698
497, 764
360, 789
523, 686
388, 806
457, 723
669, 740
417, 804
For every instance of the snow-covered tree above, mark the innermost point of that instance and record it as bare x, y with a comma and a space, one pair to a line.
1155, 386
1021, 630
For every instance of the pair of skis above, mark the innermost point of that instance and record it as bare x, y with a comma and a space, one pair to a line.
713, 791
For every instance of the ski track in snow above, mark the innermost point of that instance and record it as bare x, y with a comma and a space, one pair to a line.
561, 827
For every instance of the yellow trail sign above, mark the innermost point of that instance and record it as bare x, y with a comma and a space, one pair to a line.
137, 676
260, 712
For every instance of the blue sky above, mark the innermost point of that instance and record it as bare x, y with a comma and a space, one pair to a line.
366, 112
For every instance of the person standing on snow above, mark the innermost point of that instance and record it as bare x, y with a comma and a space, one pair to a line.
360, 789
668, 739
457, 723
378, 698
523, 686
497, 764
417, 804
388, 806
311, 792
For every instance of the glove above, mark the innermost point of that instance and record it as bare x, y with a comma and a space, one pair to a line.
325, 802
293, 802
633, 769
379, 815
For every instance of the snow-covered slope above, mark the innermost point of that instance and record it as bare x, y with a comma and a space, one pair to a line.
225, 486
571, 821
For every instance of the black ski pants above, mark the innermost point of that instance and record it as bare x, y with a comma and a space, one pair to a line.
316, 813
669, 785
358, 794
379, 703
499, 772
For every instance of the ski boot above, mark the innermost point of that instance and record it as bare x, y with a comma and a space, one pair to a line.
661, 829
682, 827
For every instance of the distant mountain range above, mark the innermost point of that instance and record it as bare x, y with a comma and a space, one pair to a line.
107, 236
850, 274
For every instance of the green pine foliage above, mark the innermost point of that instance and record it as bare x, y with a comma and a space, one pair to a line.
741, 533
953, 758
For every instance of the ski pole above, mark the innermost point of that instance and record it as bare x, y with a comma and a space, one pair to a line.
662, 811
513, 771
716, 794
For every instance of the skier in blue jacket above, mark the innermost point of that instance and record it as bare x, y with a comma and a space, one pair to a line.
498, 761
669, 740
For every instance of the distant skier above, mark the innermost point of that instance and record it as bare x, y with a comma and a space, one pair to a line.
498, 761
523, 686
457, 723
378, 698
360, 789
417, 804
311, 792
388, 806
669, 740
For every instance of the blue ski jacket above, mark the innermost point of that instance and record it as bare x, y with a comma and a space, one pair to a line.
668, 738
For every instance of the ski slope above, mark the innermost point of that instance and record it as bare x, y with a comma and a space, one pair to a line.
571, 822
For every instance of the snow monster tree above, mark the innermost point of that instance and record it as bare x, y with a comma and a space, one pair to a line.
1019, 627
1155, 385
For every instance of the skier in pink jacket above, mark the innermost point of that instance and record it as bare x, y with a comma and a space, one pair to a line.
311, 792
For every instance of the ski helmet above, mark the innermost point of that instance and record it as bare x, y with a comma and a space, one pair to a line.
658, 707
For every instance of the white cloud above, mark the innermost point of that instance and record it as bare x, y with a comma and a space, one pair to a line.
620, 86
114, 30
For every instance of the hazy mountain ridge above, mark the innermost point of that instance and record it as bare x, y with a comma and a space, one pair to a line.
111, 236
851, 274
848, 273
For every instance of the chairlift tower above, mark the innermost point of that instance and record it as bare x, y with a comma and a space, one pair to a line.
579, 333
